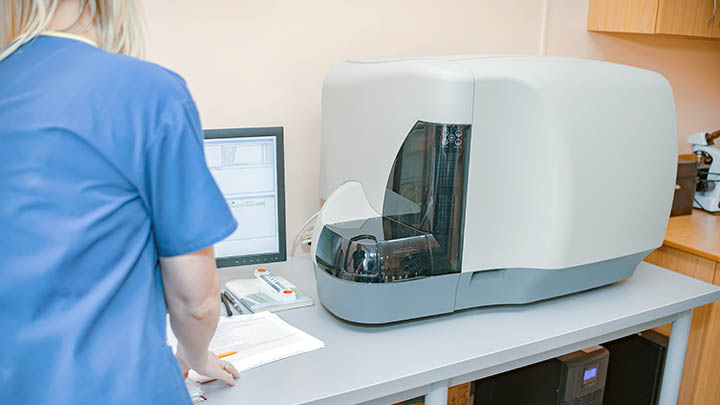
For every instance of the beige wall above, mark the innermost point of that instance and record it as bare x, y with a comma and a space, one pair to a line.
692, 66
261, 62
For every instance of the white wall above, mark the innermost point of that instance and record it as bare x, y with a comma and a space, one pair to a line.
262, 62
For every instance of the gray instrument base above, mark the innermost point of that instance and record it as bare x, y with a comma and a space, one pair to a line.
377, 303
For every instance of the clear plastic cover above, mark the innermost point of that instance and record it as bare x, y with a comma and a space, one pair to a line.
420, 232
426, 189
378, 250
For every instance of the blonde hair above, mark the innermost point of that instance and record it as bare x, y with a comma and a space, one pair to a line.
118, 23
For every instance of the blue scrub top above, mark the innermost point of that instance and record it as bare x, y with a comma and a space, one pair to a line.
101, 171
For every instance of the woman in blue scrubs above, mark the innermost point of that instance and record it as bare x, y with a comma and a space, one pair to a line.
108, 213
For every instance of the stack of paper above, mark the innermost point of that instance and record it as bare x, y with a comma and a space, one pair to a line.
196, 393
257, 339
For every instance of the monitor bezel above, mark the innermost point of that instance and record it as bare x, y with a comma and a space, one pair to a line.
277, 132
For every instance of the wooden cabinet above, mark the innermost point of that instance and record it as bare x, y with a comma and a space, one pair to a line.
703, 269
623, 16
707, 381
671, 17
687, 17
692, 247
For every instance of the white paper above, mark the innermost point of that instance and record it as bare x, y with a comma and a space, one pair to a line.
193, 389
258, 339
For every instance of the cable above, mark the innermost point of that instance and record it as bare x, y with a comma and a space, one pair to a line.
301, 230
544, 28
710, 21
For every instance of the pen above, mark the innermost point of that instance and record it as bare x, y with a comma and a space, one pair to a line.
225, 302
234, 302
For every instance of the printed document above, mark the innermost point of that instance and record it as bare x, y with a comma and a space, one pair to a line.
258, 339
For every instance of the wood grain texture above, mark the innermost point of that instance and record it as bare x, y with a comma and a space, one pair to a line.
457, 395
698, 234
683, 262
707, 385
636, 16
685, 17
702, 269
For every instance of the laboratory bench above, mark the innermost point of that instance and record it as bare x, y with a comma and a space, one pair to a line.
692, 247
391, 363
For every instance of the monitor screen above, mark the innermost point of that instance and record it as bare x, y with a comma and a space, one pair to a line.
247, 165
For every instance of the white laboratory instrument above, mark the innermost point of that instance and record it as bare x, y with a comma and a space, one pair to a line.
707, 194
456, 182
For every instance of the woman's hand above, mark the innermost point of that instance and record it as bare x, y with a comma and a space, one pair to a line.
211, 367
192, 289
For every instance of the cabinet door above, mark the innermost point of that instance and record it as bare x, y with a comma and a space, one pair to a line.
702, 269
623, 16
686, 17
708, 389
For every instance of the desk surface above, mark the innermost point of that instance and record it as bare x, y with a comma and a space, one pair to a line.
366, 363
698, 234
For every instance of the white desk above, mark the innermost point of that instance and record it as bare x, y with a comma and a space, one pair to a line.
386, 364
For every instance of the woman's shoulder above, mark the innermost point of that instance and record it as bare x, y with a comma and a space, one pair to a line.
139, 77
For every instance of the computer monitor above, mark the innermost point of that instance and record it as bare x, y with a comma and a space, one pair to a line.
247, 164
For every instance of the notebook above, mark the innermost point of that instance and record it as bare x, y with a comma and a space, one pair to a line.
249, 292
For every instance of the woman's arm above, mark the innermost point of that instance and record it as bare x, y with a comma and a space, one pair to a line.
192, 293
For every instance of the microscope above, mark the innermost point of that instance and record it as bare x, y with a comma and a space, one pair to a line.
707, 193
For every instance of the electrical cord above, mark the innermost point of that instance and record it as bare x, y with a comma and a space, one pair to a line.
713, 180
300, 232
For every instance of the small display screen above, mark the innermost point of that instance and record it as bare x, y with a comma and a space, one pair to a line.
590, 373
